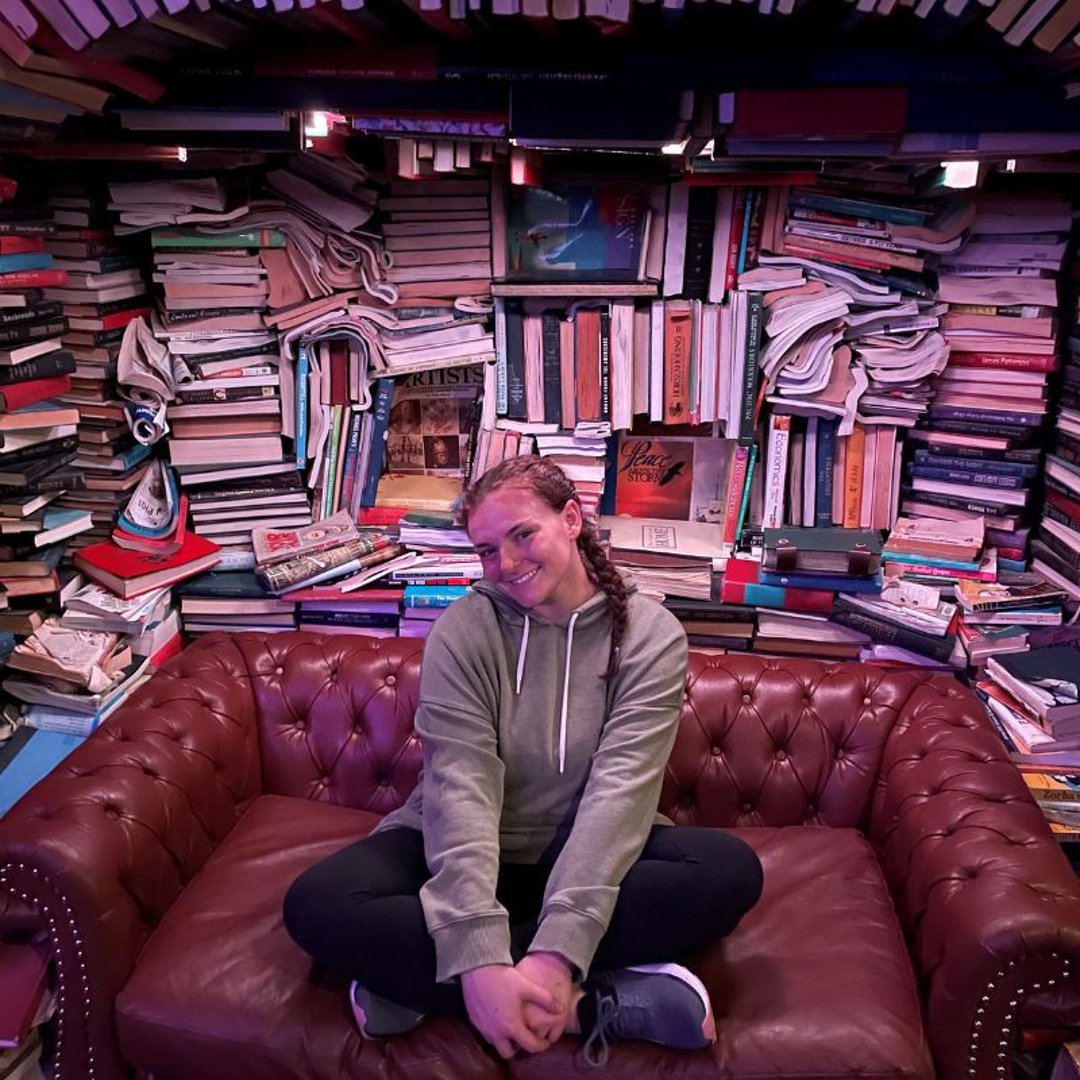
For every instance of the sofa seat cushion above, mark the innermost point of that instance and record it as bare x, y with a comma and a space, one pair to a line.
221, 992
814, 984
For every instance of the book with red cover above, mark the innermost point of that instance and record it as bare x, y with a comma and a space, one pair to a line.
742, 586
23, 973
19, 395
32, 279
132, 573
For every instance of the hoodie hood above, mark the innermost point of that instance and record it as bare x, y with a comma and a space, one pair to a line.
519, 620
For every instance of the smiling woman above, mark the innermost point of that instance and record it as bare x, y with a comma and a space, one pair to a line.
519, 886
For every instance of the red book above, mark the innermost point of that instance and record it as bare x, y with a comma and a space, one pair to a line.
23, 971
741, 586
328, 594
18, 395
132, 573
21, 245
122, 318
1016, 361
156, 545
32, 279
829, 113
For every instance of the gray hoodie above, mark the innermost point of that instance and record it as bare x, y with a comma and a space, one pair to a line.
530, 756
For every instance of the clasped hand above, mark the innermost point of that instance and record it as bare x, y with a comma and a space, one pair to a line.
524, 1007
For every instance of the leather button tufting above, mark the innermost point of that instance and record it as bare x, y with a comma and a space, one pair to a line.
717, 751
746, 698
781, 755
747, 807
868, 701
279, 671
391, 680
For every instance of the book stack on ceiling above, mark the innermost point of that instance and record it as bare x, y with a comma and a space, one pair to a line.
104, 291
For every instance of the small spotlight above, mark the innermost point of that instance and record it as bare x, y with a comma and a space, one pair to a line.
181, 153
961, 174
317, 125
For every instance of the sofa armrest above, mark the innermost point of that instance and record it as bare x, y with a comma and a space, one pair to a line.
102, 846
989, 902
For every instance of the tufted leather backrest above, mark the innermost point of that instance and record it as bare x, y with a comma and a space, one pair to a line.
335, 716
761, 741
781, 742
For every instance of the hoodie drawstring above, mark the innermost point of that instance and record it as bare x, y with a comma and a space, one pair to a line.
566, 691
521, 654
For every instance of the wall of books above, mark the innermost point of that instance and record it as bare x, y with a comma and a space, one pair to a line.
831, 415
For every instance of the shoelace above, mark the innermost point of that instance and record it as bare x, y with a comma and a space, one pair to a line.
607, 1014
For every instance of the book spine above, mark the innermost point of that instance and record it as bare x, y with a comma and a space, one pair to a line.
853, 476
676, 363
228, 393
700, 223
826, 452
426, 596
736, 481
1014, 361
502, 390
300, 397
251, 238
33, 279
515, 363
39, 367
776, 464
329, 473
986, 465
985, 416
891, 634
966, 476
605, 364
27, 333
754, 313
552, 371
382, 398
745, 501
352, 458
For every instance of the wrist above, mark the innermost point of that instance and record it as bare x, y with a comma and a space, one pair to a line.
554, 958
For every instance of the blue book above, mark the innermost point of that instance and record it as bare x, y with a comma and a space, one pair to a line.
870, 586
744, 239
968, 476
31, 260
301, 395
859, 208
32, 761
826, 446
928, 560
432, 595
381, 398
984, 465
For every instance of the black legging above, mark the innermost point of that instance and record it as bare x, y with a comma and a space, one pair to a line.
359, 910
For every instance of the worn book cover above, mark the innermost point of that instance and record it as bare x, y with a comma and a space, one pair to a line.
272, 545
680, 478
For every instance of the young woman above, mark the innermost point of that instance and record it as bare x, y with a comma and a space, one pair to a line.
522, 884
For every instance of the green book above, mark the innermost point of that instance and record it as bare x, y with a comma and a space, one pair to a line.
188, 238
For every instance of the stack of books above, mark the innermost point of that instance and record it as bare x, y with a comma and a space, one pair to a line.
233, 601
1032, 700
333, 550
1056, 550
979, 449
999, 619
438, 235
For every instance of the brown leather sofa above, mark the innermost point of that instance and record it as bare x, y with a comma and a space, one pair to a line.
916, 909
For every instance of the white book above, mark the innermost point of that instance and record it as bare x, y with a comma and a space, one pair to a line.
776, 464
675, 244
656, 361
809, 485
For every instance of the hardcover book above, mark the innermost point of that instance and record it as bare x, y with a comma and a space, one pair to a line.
680, 478
577, 233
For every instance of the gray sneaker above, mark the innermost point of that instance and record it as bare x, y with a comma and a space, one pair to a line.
378, 1018
660, 1003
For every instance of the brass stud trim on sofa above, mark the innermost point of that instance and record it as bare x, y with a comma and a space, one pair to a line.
62, 984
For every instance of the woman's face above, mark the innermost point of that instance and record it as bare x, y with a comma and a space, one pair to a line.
530, 552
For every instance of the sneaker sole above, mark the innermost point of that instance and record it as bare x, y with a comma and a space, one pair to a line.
685, 975
397, 1021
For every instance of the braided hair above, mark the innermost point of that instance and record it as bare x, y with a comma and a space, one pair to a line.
550, 484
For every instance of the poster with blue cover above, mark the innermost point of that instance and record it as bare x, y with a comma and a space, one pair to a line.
576, 233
